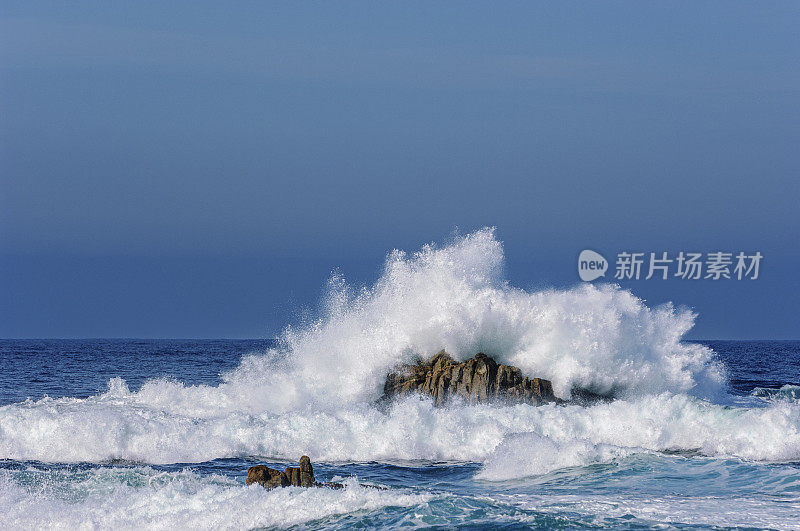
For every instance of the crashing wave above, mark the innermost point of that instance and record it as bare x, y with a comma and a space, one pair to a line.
314, 394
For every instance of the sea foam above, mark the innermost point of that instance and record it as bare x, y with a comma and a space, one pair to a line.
106, 428
454, 297
122, 498
315, 393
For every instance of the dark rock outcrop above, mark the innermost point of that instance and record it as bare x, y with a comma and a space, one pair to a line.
292, 476
267, 477
306, 472
479, 379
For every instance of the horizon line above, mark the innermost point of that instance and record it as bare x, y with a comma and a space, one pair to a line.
164, 338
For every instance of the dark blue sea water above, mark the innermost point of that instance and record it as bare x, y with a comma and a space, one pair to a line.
148, 433
82, 367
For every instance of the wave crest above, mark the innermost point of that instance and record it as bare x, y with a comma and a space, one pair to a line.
105, 428
315, 393
598, 337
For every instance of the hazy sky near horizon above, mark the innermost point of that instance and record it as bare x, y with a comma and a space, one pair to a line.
197, 169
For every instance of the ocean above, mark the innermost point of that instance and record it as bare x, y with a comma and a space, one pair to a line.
132, 433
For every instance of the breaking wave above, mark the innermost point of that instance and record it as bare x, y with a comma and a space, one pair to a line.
315, 393
787, 392
598, 337
123, 498
117, 426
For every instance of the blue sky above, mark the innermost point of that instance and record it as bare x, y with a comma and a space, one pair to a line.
198, 169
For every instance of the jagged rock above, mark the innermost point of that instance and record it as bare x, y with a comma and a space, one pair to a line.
292, 476
479, 379
266, 477
332, 485
306, 472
